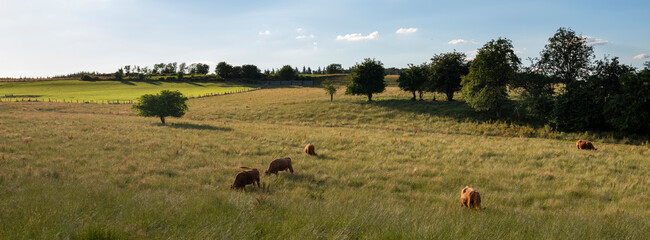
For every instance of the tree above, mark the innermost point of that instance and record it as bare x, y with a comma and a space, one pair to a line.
330, 89
182, 68
629, 109
495, 65
224, 70
119, 74
287, 73
165, 104
567, 56
334, 68
445, 73
237, 72
202, 68
536, 93
251, 71
367, 78
583, 105
413, 79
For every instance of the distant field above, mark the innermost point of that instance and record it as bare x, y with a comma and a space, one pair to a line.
71, 90
391, 169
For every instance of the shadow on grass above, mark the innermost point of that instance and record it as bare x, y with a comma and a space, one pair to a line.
197, 126
127, 83
459, 110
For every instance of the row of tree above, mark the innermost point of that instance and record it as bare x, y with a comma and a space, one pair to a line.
564, 87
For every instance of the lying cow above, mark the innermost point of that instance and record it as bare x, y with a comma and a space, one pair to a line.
309, 149
586, 145
280, 164
246, 177
470, 198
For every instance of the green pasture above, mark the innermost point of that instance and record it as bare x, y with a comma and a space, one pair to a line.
71, 90
390, 169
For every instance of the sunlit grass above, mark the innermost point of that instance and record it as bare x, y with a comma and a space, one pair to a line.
388, 169
73, 90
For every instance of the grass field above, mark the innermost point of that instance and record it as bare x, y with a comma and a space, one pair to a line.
392, 169
70, 90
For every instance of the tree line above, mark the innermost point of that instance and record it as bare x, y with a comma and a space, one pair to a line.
564, 87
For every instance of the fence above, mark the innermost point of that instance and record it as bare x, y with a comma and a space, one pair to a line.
117, 101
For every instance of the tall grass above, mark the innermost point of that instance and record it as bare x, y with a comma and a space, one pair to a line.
383, 171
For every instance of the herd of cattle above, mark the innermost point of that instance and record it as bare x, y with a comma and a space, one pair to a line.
469, 197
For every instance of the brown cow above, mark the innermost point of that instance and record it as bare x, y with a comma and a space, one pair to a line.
246, 177
280, 164
586, 145
309, 149
470, 198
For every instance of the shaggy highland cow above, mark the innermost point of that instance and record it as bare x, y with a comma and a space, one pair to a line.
586, 145
470, 198
309, 149
280, 164
246, 177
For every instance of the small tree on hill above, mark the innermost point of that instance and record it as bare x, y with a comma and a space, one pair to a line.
446, 70
202, 68
165, 104
367, 78
484, 87
330, 89
413, 79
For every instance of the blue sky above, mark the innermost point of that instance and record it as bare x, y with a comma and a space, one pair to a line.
50, 37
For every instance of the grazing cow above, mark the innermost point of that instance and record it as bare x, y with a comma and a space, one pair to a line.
280, 164
246, 177
470, 198
586, 145
309, 149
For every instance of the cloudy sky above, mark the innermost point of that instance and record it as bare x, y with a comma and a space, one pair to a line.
49, 37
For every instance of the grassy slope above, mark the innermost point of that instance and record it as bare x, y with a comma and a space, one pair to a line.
97, 170
108, 90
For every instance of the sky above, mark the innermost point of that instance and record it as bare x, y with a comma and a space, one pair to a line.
40, 38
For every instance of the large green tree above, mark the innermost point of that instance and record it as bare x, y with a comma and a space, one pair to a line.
367, 78
567, 56
165, 104
445, 73
495, 65
413, 79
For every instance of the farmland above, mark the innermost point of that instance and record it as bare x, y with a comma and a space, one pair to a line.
388, 169
76, 90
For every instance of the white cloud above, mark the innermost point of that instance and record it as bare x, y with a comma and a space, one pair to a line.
593, 41
520, 51
406, 30
305, 36
460, 41
642, 56
358, 36
299, 29
267, 32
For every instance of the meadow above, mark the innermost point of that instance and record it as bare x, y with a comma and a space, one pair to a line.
391, 169
104, 90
